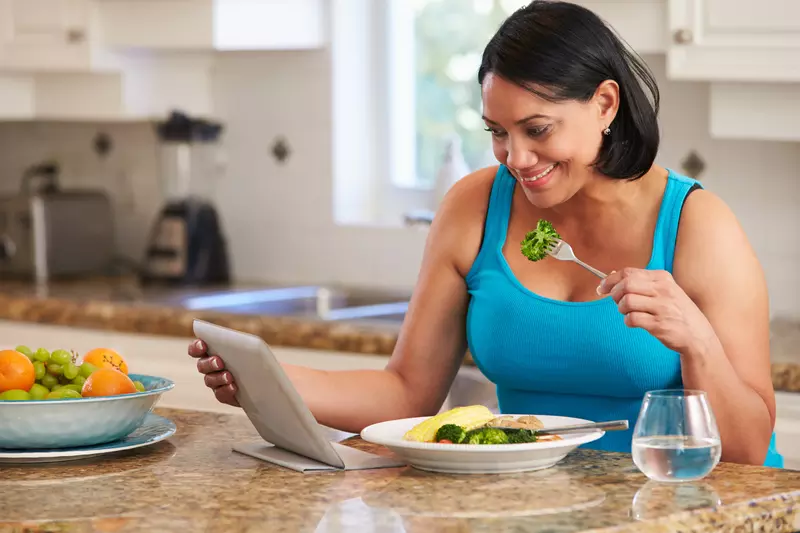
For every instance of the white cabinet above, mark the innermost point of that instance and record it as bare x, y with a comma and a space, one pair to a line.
212, 24
641, 23
734, 40
45, 35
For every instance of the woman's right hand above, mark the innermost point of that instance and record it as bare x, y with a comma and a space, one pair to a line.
216, 377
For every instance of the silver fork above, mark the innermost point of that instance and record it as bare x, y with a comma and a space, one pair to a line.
563, 252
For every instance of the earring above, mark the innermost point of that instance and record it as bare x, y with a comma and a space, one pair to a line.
607, 131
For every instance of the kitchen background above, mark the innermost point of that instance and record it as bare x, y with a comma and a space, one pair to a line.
279, 217
336, 119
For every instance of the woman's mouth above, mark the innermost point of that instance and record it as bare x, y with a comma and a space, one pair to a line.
538, 179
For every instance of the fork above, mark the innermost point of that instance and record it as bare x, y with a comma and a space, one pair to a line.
563, 252
614, 425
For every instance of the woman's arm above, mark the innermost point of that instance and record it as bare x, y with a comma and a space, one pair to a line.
717, 267
432, 340
713, 311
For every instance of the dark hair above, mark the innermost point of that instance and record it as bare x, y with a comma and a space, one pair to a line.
562, 51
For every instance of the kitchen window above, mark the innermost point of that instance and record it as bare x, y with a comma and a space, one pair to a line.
404, 83
435, 49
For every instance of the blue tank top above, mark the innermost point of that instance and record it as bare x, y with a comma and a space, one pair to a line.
590, 365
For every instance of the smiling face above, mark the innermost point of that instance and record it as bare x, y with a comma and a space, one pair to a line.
548, 147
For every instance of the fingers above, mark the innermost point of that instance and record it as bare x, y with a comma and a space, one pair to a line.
197, 348
639, 319
227, 394
627, 280
210, 363
215, 376
609, 282
634, 285
218, 379
631, 303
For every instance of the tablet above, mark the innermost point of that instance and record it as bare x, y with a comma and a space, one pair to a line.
266, 394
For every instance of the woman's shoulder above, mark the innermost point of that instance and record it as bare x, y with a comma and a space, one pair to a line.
474, 187
712, 247
469, 196
459, 221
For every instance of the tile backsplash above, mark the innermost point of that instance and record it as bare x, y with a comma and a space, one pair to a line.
278, 214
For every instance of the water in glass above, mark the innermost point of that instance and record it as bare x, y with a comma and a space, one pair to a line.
676, 436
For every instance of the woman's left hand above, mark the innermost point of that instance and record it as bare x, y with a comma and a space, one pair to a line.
651, 300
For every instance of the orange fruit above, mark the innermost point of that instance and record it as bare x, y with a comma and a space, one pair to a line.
16, 371
107, 382
106, 358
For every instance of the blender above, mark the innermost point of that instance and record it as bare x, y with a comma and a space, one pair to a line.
187, 245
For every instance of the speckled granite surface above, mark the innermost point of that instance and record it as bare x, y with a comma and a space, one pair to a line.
194, 482
122, 305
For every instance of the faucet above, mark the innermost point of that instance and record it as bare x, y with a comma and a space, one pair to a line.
418, 217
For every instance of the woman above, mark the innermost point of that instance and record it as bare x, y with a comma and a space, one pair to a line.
685, 306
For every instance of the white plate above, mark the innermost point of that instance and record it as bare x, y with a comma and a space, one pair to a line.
478, 458
154, 429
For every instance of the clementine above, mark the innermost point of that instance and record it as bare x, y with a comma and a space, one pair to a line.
106, 358
16, 371
107, 382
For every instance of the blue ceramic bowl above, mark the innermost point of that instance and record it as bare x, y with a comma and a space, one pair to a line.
33, 424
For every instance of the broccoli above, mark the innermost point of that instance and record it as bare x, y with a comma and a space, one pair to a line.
486, 435
450, 432
536, 242
520, 436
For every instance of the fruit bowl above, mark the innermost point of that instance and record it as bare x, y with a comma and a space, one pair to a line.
69, 422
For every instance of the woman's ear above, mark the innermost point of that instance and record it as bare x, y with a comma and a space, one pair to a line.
606, 98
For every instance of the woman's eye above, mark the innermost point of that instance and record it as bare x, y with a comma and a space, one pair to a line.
494, 132
537, 131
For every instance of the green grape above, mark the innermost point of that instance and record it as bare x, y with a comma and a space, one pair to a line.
15, 394
62, 380
49, 381
42, 355
24, 350
62, 394
139, 386
70, 371
79, 381
55, 369
62, 357
57, 386
87, 369
38, 391
71, 387
40, 370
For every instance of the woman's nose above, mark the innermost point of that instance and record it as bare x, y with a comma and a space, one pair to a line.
519, 157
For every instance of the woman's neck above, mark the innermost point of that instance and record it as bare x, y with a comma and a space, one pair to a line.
603, 195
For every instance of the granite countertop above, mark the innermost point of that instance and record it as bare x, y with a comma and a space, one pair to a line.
121, 304
194, 482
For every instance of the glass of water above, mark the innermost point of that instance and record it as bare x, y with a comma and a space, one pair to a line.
676, 437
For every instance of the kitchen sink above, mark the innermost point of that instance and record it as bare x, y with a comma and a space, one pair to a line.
313, 301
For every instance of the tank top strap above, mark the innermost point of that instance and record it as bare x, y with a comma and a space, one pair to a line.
499, 210
669, 216
497, 216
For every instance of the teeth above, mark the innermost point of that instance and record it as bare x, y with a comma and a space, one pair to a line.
543, 174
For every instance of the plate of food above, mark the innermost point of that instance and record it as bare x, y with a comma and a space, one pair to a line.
473, 440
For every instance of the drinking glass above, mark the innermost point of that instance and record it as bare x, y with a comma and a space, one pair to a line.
676, 437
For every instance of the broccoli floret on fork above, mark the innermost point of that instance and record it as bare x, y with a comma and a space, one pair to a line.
538, 241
